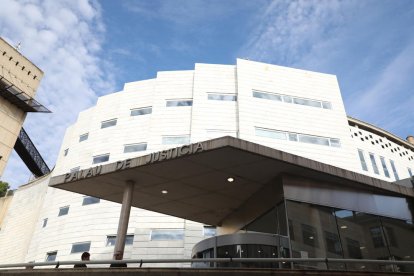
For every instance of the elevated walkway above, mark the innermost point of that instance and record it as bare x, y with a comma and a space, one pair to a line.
30, 155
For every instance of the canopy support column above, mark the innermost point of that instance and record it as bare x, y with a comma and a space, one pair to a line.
123, 220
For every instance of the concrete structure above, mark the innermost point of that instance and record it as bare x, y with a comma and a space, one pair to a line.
292, 143
19, 80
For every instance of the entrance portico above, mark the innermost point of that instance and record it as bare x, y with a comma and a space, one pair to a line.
194, 182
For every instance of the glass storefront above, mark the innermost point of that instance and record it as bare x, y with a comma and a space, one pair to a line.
324, 232
303, 230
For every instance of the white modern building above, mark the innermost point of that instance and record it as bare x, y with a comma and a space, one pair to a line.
297, 112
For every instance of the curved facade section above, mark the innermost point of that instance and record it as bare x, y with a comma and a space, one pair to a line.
296, 111
382, 155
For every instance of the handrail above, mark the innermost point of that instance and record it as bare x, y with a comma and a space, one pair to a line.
209, 260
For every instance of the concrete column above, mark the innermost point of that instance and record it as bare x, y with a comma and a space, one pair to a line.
123, 220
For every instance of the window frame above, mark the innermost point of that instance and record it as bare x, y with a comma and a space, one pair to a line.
362, 160
51, 253
373, 163
181, 234
136, 144
82, 137
111, 240
109, 123
225, 97
63, 213
101, 155
82, 249
143, 109
178, 102
93, 200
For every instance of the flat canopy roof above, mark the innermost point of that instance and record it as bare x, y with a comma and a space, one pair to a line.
195, 177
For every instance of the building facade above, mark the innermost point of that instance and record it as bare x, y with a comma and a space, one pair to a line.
19, 80
295, 111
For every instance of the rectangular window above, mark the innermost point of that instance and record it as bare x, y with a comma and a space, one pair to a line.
303, 138
44, 223
268, 133
267, 96
83, 137
66, 152
362, 159
376, 235
100, 158
171, 140
389, 233
167, 234
287, 99
209, 231
75, 169
307, 102
313, 140
384, 167
51, 256
81, 247
110, 240
87, 200
141, 111
221, 97
135, 147
293, 137
410, 172
171, 103
108, 123
326, 105
354, 248
333, 244
309, 235
374, 163
335, 142
290, 99
63, 211
394, 170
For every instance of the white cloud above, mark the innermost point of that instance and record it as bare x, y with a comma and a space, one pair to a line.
368, 45
288, 29
63, 38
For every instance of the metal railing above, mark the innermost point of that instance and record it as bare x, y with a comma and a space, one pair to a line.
141, 262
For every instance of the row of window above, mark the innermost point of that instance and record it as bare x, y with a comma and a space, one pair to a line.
263, 132
166, 140
86, 246
297, 137
155, 235
63, 211
383, 164
402, 151
218, 97
333, 244
291, 99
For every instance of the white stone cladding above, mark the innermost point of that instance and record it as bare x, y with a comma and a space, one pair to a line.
380, 146
255, 112
18, 229
204, 120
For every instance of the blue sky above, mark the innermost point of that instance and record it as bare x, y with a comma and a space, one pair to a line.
91, 48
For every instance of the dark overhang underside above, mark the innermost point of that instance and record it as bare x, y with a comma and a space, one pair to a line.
196, 180
19, 98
